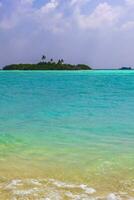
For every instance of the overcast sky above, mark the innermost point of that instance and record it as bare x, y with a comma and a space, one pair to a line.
99, 33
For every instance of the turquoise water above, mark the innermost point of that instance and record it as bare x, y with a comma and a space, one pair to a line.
74, 127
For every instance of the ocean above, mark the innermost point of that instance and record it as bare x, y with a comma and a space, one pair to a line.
67, 135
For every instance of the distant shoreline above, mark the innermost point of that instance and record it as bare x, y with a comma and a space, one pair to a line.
47, 66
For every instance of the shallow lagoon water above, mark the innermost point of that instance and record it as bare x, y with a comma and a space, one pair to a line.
67, 135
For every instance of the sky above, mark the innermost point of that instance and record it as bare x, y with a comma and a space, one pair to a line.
99, 33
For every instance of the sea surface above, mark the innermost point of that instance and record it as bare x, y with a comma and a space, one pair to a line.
67, 135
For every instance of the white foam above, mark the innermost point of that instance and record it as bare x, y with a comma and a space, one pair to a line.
62, 184
112, 196
13, 184
87, 189
25, 192
79, 196
72, 196
53, 195
34, 182
51, 189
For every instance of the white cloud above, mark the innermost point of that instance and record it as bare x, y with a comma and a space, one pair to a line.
50, 6
21, 11
46, 17
7, 24
103, 15
51, 18
130, 2
78, 2
128, 26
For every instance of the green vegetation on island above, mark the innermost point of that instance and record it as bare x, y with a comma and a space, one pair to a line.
47, 65
125, 68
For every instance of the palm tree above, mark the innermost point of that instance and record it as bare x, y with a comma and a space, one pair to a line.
51, 60
62, 61
43, 58
59, 61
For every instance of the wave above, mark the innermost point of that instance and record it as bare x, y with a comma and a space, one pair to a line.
51, 189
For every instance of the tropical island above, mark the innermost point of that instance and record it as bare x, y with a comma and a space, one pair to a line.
47, 65
125, 68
